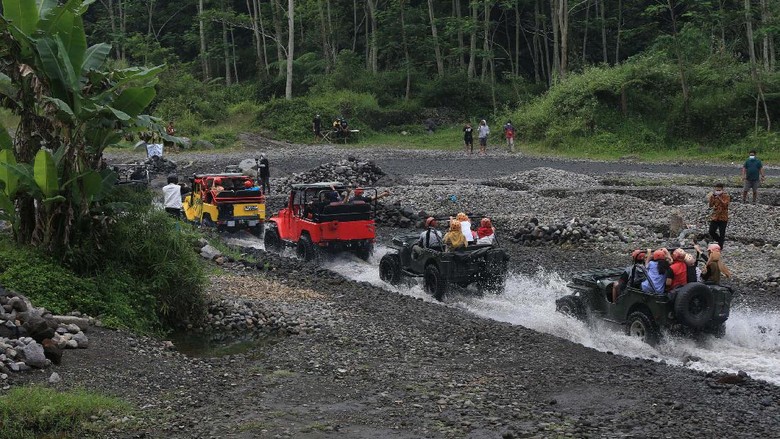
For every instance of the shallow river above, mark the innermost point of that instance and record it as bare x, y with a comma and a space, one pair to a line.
751, 344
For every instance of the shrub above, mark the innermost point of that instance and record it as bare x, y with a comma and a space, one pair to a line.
33, 412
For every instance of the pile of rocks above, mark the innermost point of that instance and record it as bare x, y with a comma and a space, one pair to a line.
571, 231
160, 165
544, 178
396, 215
351, 171
33, 337
236, 316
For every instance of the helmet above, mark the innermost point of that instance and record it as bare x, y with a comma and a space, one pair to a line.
486, 222
637, 255
690, 259
359, 191
678, 254
713, 247
248, 184
430, 222
659, 255
218, 180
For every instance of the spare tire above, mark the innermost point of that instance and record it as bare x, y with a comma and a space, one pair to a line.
694, 305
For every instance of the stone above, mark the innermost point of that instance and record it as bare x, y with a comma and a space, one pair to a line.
66, 320
210, 252
39, 328
9, 330
18, 304
203, 144
248, 167
52, 351
81, 339
71, 344
73, 328
33, 355
54, 378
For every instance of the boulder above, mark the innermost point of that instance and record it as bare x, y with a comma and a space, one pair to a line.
52, 351
210, 252
67, 320
82, 340
203, 144
33, 355
248, 167
39, 328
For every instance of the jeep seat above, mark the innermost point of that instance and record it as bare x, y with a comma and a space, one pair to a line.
344, 212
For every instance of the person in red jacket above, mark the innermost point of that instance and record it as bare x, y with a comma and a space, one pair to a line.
678, 271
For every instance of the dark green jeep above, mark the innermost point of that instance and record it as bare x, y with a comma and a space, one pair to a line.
691, 309
484, 265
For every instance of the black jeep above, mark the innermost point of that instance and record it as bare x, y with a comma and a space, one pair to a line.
691, 309
484, 265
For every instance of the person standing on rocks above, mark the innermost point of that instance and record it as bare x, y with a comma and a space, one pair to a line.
509, 134
264, 174
719, 201
483, 131
468, 138
752, 175
172, 197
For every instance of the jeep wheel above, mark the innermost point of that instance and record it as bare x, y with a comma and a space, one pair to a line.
717, 330
571, 306
640, 325
694, 305
434, 282
390, 269
305, 248
272, 241
207, 221
364, 251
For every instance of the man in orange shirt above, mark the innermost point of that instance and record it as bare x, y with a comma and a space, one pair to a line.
719, 202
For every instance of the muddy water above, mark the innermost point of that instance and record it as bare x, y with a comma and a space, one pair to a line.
751, 344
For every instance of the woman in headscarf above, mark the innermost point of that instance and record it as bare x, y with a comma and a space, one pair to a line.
714, 267
454, 239
486, 233
465, 227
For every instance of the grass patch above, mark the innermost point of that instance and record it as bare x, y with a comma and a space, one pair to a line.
34, 411
282, 373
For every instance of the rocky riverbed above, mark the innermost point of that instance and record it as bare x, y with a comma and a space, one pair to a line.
377, 363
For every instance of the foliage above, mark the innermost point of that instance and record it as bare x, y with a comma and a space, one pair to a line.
34, 411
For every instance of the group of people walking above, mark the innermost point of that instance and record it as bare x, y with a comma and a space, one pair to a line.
483, 131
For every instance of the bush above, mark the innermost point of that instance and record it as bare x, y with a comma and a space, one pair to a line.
34, 412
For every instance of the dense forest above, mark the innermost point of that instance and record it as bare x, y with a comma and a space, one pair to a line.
664, 71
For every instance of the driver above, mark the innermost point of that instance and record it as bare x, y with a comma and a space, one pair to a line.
630, 275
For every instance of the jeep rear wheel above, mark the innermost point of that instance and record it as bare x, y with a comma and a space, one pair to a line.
571, 306
390, 269
641, 326
694, 305
434, 282
272, 240
364, 250
305, 248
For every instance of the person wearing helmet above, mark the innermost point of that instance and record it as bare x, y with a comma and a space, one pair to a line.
631, 275
249, 186
431, 237
678, 271
217, 185
657, 269
172, 197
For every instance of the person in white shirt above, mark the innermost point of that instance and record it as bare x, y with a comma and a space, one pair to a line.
465, 226
172, 197
483, 132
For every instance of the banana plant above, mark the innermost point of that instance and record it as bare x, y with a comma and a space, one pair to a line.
69, 103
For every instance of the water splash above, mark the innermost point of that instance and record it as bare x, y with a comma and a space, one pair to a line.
752, 341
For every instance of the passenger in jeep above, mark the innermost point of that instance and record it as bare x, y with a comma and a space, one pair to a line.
631, 275
430, 237
486, 233
677, 275
454, 239
693, 271
715, 268
358, 195
657, 269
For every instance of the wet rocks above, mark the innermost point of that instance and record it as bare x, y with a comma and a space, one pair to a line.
396, 215
160, 165
571, 231
239, 317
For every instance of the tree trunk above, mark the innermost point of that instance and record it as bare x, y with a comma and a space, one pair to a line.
486, 41
517, 41
109, 6
226, 54
262, 32
122, 24
235, 58
585, 33
435, 35
461, 44
204, 60
537, 53
753, 66
563, 28
372, 54
680, 60
407, 60
766, 20
472, 69
290, 48
324, 36
619, 30
276, 12
260, 62
331, 37
556, 60
355, 25
601, 7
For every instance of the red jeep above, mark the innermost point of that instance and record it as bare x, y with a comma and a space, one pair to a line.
317, 218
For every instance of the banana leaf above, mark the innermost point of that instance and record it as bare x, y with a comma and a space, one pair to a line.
45, 174
22, 13
6, 176
133, 100
6, 142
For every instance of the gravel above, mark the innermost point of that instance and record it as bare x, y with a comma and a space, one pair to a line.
380, 364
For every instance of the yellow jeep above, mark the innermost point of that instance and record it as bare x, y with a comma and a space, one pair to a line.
228, 201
